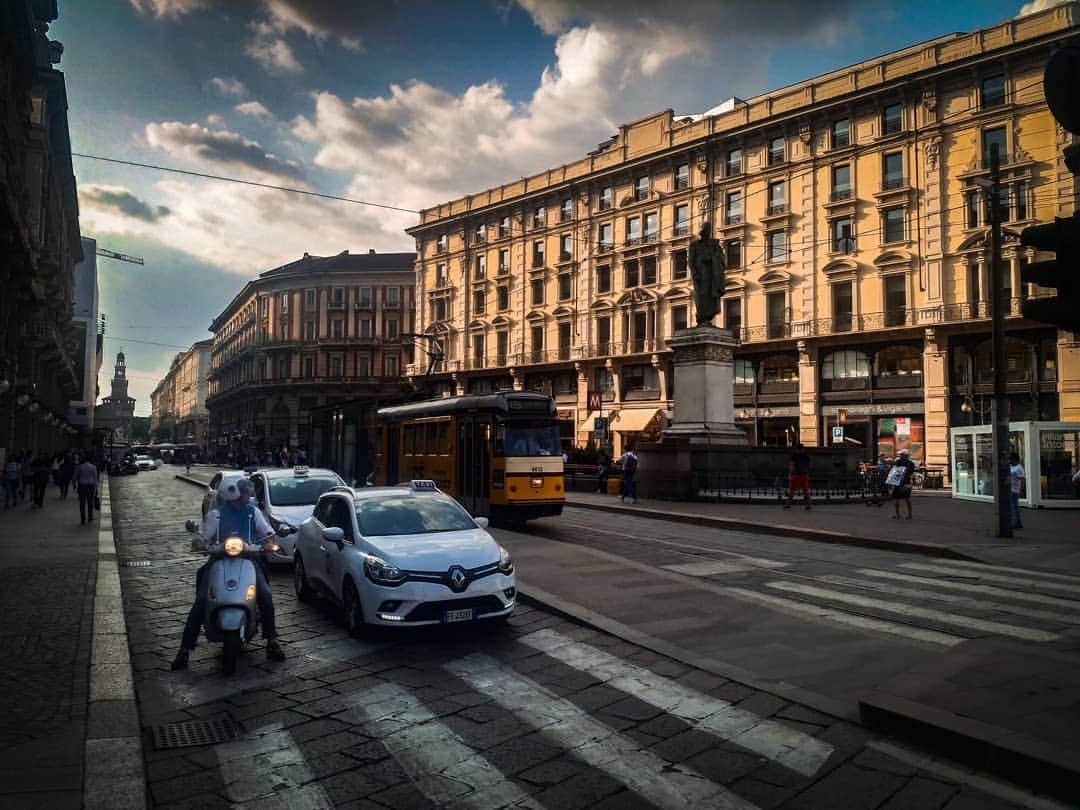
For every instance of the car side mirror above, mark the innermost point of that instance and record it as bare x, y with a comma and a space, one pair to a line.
482, 522
335, 534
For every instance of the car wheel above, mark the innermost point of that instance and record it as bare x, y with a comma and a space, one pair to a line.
354, 612
304, 591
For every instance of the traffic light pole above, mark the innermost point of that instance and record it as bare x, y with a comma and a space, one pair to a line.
998, 307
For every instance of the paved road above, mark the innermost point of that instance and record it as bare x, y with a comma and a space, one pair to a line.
537, 713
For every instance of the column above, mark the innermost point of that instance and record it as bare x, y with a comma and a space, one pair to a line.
809, 427
935, 401
984, 287
1016, 295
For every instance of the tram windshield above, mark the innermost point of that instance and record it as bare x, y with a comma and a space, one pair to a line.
529, 438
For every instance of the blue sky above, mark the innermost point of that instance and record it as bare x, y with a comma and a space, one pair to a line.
382, 101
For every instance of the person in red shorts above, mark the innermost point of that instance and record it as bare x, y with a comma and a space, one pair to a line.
798, 475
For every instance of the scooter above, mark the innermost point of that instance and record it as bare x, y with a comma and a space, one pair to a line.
232, 615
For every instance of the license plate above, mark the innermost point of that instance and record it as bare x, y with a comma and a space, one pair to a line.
464, 615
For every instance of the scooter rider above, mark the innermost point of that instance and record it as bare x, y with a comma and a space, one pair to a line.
235, 516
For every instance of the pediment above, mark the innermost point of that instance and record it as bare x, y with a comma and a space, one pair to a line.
838, 266
602, 303
637, 296
563, 312
535, 315
892, 258
478, 324
775, 277
500, 322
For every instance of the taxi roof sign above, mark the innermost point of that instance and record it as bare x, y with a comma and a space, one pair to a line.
300, 470
423, 485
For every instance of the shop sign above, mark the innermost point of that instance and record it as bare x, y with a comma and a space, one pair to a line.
600, 427
838, 434
903, 426
1051, 440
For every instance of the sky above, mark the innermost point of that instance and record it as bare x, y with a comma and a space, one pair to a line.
403, 103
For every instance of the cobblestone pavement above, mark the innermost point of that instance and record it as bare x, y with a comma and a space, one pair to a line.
538, 712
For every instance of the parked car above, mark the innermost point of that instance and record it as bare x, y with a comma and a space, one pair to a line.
402, 557
289, 496
125, 466
145, 463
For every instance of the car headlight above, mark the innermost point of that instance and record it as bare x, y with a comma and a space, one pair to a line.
234, 546
506, 562
383, 573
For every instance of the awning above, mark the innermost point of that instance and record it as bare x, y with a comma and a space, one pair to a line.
634, 420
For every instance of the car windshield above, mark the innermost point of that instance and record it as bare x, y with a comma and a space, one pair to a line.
409, 514
532, 439
299, 491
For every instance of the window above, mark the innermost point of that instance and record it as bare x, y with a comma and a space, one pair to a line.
892, 220
309, 299
502, 297
479, 302
892, 119
566, 210
841, 307
309, 330
971, 207
640, 378
743, 371
392, 297
682, 177
733, 208
281, 367
648, 270
603, 334
776, 314
776, 151
899, 360
678, 318
335, 365
309, 367
538, 253
478, 351
504, 227
337, 328
566, 247
993, 91
1002, 205
652, 227
895, 300
682, 220
777, 199
440, 243
841, 182
603, 381
390, 365
733, 315
504, 261
364, 300
733, 163
481, 266
603, 278
536, 291
892, 170
631, 275
564, 341
641, 187
776, 246
502, 344
845, 365
841, 133
733, 253
606, 197
606, 243
678, 265
284, 303
536, 342
843, 240
364, 327
1020, 193
539, 216
337, 297
392, 332
991, 138
480, 233
363, 365
442, 277
438, 309
633, 231
566, 286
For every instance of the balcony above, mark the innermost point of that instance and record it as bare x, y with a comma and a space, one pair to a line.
733, 218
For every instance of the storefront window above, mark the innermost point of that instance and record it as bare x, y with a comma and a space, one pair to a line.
779, 368
899, 360
1059, 452
898, 433
844, 365
964, 460
984, 464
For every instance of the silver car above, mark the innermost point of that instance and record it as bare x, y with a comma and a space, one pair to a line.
288, 496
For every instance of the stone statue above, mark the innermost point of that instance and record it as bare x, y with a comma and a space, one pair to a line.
706, 260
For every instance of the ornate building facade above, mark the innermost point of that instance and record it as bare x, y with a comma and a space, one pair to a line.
178, 403
857, 243
317, 331
115, 411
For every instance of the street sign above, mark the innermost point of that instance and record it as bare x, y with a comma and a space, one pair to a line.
596, 400
838, 434
600, 427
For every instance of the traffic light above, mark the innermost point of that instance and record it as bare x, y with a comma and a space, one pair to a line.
1062, 273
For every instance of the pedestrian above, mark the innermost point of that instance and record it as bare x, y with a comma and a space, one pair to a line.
603, 470
1017, 479
629, 461
67, 472
900, 480
27, 472
877, 475
86, 482
42, 469
799, 476
11, 481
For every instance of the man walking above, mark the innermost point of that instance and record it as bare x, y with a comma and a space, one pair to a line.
799, 476
86, 481
900, 481
1017, 479
629, 463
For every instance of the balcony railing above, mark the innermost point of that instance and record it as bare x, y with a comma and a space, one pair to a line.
733, 219
893, 183
777, 208
840, 194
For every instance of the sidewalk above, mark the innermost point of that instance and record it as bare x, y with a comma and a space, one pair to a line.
69, 736
942, 526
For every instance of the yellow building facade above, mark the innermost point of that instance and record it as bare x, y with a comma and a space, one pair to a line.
857, 241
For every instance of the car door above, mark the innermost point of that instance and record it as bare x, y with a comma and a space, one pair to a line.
334, 555
311, 543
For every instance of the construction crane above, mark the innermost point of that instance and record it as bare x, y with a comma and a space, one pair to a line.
121, 257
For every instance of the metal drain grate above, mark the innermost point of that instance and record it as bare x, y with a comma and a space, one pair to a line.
135, 563
196, 732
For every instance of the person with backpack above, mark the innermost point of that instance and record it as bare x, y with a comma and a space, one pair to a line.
628, 461
900, 481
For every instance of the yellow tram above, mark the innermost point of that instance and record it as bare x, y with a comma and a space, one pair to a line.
498, 454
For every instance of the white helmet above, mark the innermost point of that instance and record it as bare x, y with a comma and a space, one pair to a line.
234, 489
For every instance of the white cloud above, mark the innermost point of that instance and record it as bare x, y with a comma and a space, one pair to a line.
229, 86
168, 8
220, 149
271, 51
1038, 5
216, 121
254, 108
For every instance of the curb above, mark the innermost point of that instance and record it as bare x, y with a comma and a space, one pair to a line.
113, 757
815, 535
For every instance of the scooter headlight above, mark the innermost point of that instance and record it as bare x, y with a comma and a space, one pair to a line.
234, 546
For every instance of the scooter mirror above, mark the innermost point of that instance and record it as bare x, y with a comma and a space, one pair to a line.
191, 526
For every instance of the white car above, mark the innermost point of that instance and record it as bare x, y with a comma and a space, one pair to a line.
209, 500
145, 463
289, 496
402, 557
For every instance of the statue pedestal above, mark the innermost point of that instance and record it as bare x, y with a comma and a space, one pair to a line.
704, 387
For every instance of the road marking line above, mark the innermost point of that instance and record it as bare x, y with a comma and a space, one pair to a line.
990, 590
268, 769
803, 609
905, 609
709, 568
791, 748
445, 768
663, 784
952, 598
986, 784
948, 570
1026, 571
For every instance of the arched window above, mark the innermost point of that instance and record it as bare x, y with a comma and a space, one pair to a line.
846, 364
899, 360
744, 371
779, 368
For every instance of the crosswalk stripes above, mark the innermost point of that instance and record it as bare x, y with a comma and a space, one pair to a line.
267, 769
1028, 579
793, 749
967, 587
663, 784
978, 566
